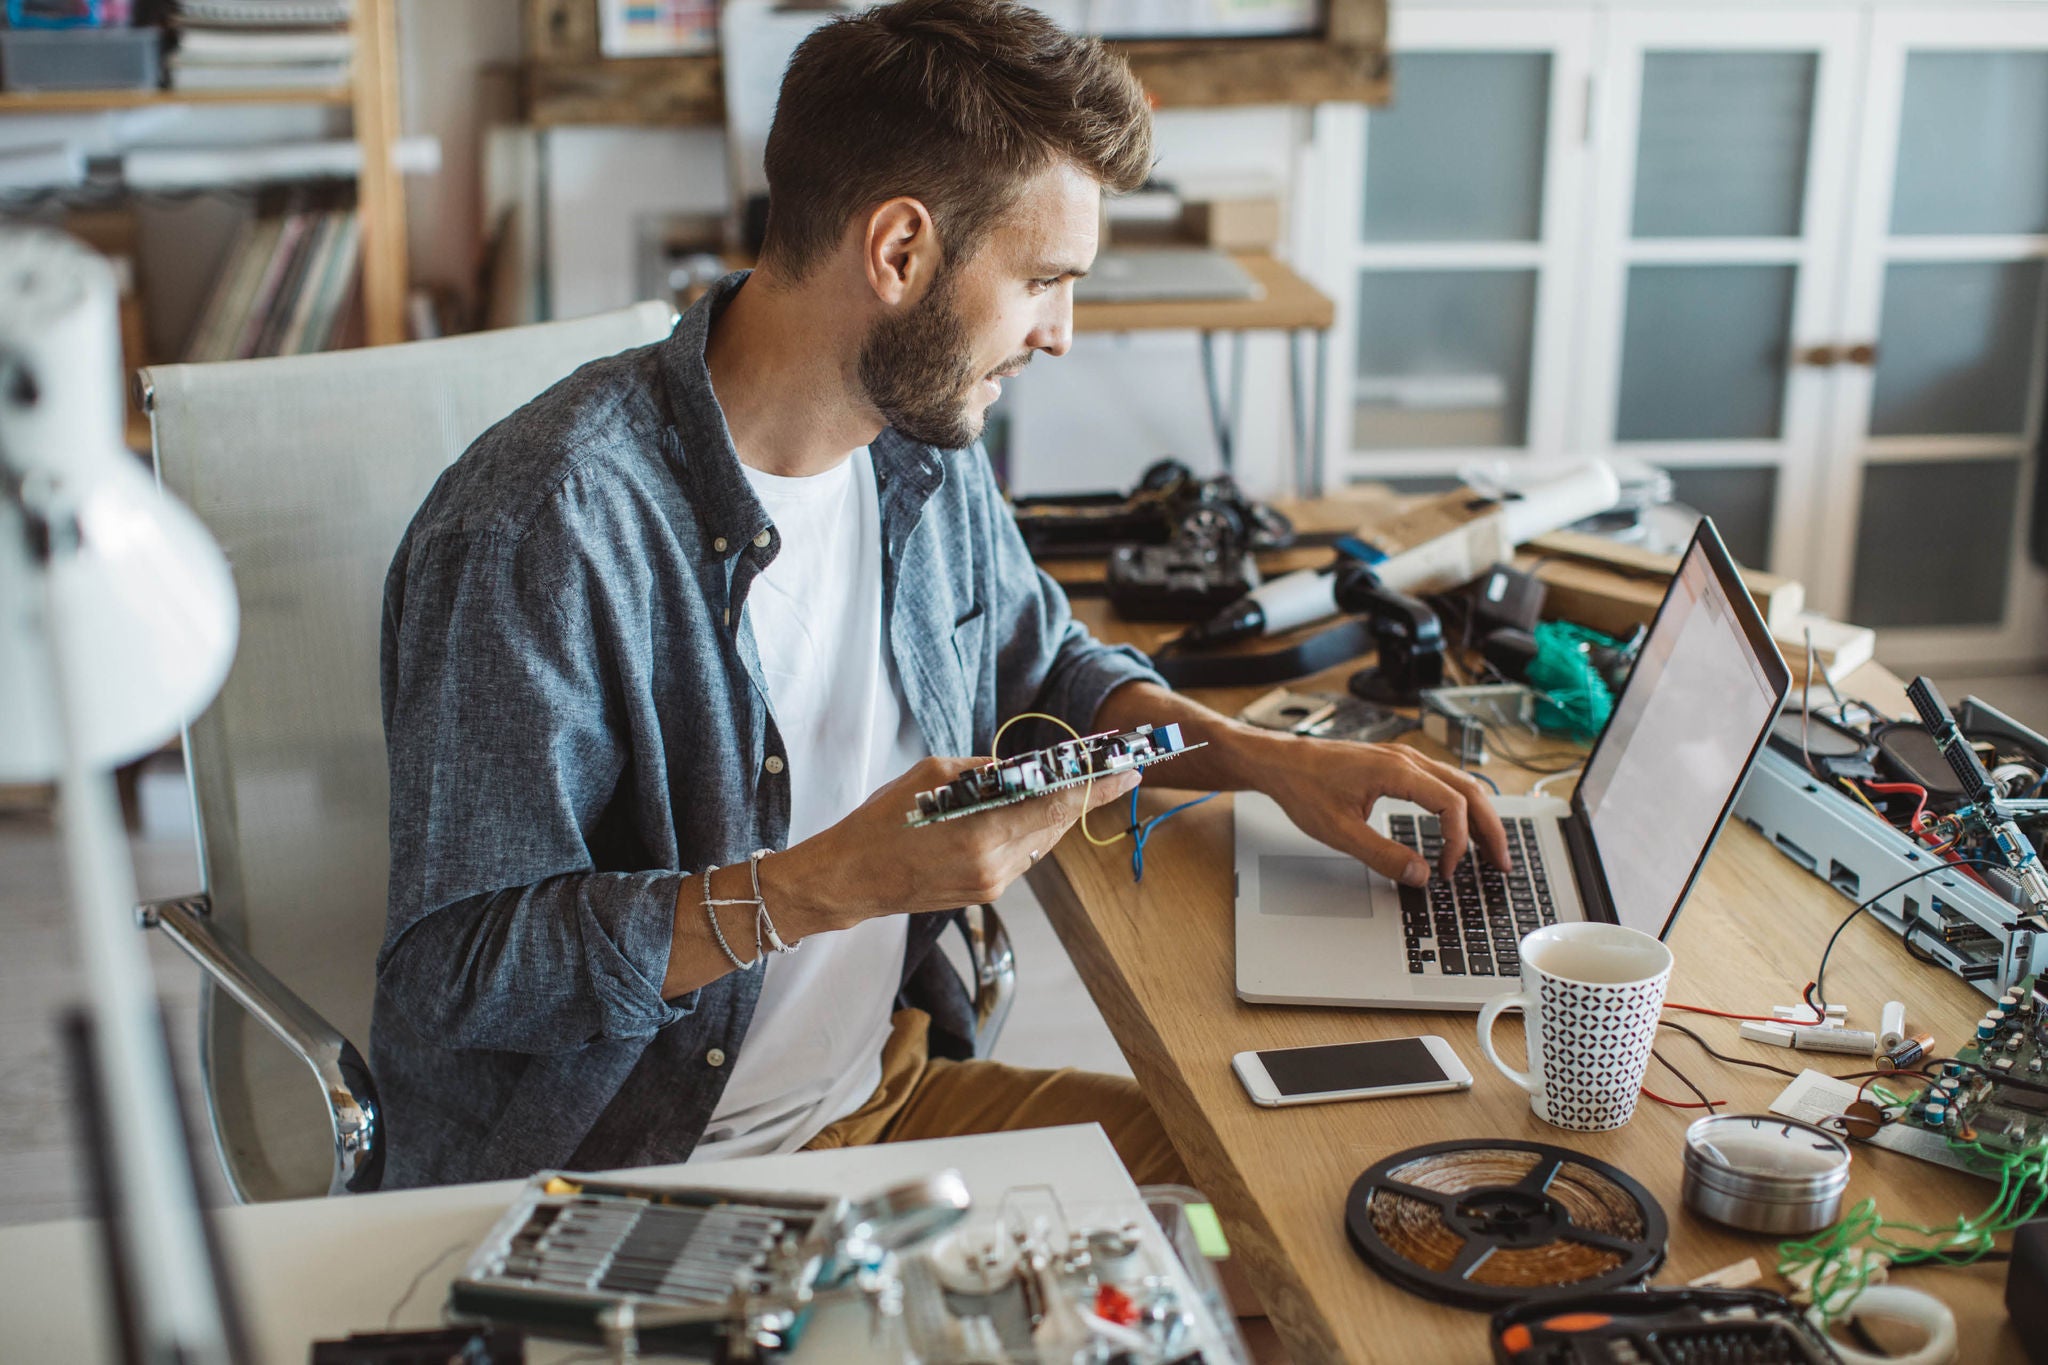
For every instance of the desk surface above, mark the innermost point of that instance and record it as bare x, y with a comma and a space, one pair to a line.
1158, 959
1289, 302
316, 1269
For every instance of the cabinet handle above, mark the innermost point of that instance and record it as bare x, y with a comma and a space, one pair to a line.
1819, 356
1863, 353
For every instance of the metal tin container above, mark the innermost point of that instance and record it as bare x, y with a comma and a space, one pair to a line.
1763, 1173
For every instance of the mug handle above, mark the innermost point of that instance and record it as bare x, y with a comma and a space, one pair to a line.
1524, 1001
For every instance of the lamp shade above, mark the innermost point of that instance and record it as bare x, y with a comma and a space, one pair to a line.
87, 540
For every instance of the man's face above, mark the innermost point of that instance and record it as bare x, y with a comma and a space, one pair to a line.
933, 369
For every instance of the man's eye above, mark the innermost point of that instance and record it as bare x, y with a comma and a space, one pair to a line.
1040, 286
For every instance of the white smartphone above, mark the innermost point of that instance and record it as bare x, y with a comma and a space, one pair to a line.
1351, 1071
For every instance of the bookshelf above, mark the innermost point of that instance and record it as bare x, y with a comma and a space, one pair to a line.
372, 98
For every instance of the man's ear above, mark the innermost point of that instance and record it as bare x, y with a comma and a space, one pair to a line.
900, 249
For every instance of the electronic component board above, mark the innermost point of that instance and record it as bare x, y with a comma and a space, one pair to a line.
1042, 771
1972, 1099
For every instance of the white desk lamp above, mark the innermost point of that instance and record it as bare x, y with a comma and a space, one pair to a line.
117, 625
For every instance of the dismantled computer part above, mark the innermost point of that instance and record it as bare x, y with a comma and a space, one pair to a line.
1168, 500
739, 1275
1865, 801
1325, 715
1043, 771
1635, 1327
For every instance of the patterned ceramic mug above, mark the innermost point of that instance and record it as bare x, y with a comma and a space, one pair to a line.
1590, 998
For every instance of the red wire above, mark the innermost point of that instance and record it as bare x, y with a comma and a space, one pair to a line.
1819, 1016
1906, 789
1650, 1094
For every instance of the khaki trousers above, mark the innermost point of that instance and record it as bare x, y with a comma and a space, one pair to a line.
924, 1098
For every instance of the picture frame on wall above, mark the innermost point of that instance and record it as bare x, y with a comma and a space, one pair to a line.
657, 28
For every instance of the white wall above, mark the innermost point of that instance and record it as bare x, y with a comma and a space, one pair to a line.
455, 62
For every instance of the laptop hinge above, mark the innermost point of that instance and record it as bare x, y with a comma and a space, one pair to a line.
1586, 870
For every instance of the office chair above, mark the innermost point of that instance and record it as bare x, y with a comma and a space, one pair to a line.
307, 469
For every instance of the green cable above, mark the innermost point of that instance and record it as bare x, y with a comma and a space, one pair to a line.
1571, 696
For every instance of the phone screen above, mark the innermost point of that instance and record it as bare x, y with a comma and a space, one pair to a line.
1352, 1066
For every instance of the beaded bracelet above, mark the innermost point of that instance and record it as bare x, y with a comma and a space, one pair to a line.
763, 924
719, 933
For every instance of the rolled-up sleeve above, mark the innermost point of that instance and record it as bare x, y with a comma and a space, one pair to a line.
506, 754
1047, 660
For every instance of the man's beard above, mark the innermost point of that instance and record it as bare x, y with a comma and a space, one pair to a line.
916, 367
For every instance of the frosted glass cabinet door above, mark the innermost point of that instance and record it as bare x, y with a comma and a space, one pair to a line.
1973, 144
1703, 352
1721, 150
1458, 156
1958, 351
1443, 358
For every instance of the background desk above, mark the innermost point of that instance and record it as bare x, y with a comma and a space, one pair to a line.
321, 1268
1289, 304
1158, 959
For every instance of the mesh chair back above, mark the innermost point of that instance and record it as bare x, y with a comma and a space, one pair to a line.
307, 469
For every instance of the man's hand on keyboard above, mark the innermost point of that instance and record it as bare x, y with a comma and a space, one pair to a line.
1329, 788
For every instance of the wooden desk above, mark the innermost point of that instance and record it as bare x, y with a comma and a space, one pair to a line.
1158, 959
1287, 304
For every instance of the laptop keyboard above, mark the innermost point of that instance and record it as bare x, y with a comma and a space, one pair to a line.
1472, 925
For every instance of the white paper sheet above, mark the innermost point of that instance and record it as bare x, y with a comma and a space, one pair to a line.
1816, 1096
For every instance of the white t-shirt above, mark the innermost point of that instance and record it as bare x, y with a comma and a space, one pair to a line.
813, 1053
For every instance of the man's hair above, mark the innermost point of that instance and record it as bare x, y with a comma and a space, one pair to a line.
955, 103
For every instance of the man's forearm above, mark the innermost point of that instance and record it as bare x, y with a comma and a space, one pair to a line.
1238, 756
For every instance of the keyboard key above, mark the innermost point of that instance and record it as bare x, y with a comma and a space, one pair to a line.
1414, 968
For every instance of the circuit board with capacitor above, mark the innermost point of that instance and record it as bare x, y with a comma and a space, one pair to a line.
1994, 1091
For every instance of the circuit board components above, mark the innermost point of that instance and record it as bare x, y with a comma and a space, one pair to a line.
1042, 771
1994, 1092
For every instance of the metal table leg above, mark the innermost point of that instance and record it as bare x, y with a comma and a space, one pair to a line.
1224, 418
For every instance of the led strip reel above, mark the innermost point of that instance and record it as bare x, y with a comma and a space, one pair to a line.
1489, 1222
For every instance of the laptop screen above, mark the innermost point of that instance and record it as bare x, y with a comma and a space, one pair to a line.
1704, 692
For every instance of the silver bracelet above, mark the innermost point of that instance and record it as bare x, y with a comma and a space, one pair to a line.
719, 933
763, 924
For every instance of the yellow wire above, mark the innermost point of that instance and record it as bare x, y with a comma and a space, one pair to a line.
995, 755
1861, 797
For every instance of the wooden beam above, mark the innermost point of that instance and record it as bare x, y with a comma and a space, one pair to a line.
629, 90
1201, 75
380, 189
566, 81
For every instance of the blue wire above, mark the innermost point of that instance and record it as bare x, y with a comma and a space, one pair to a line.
1487, 780
1141, 832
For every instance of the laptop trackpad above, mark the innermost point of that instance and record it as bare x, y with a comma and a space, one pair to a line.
1309, 884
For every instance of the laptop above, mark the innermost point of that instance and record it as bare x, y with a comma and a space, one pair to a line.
1317, 927
1171, 273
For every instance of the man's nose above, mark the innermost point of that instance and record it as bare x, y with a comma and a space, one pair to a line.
1055, 331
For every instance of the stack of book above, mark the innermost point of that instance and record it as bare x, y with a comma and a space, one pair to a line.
288, 286
260, 44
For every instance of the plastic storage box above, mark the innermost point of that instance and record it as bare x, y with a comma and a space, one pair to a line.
79, 59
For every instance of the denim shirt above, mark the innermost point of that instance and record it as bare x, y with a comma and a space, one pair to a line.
576, 721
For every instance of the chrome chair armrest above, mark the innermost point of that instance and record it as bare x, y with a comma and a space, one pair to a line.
343, 1077
995, 973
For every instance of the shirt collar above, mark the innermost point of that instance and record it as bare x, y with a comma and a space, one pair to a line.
729, 516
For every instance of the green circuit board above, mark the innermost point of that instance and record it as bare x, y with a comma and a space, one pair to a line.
1974, 1101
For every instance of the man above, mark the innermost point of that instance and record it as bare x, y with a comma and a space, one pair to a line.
751, 589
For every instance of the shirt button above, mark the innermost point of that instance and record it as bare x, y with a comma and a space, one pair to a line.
719, 545
761, 541
773, 765
715, 1057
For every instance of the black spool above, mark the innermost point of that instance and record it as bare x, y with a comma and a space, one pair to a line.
1492, 1221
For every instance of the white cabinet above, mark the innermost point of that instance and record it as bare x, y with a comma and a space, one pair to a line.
1795, 254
